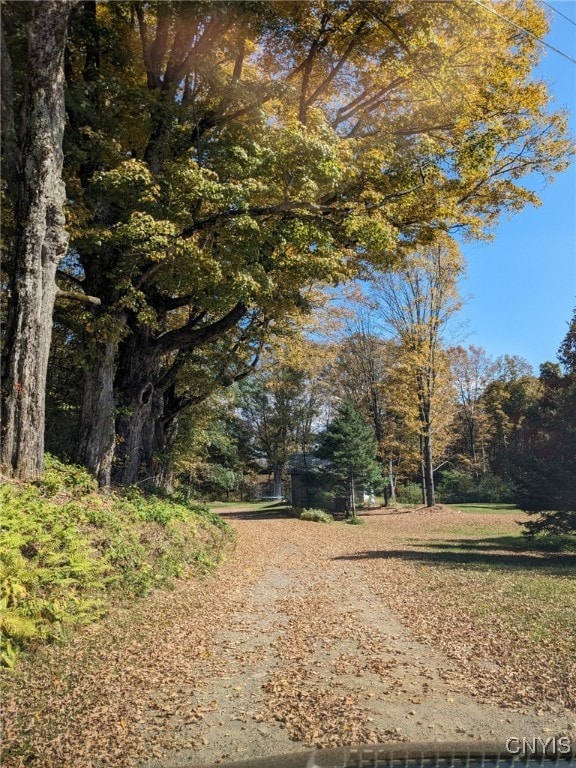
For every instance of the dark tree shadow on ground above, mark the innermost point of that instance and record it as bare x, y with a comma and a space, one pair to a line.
383, 512
485, 554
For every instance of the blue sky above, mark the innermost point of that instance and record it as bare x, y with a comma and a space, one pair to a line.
522, 285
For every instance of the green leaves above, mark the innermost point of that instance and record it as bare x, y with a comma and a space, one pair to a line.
64, 548
349, 444
224, 155
114, 193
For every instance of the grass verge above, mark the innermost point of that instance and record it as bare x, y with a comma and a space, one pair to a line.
67, 550
502, 607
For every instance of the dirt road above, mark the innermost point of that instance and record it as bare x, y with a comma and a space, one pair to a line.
290, 644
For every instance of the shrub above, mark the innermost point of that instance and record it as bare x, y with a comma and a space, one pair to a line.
494, 489
316, 516
548, 491
411, 493
552, 524
59, 476
354, 520
457, 487
66, 549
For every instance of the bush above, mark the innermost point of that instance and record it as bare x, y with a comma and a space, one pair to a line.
494, 489
411, 493
354, 520
66, 549
457, 487
552, 524
59, 476
548, 489
316, 516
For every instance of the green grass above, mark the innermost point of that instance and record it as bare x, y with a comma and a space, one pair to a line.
500, 546
315, 516
510, 599
252, 505
487, 509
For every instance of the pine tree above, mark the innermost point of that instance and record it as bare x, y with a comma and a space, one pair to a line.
349, 444
545, 471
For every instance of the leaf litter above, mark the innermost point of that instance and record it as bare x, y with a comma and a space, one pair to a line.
130, 689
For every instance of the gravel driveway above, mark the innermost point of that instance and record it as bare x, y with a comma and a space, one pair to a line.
290, 644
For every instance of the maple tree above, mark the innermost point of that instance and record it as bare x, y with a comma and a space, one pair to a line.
364, 373
33, 174
222, 157
281, 402
473, 370
271, 185
507, 400
417, 302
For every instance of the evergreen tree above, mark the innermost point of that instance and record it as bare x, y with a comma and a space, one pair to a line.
545, 472
350, 446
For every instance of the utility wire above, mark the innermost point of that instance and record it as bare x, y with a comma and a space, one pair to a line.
558, 12
526, 31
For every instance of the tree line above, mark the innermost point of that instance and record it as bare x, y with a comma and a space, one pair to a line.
181, 179
492, 430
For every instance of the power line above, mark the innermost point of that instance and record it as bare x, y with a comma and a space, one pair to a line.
558, 12
526, 31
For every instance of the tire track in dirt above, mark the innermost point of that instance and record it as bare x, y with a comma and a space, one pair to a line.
315, 658
289, 644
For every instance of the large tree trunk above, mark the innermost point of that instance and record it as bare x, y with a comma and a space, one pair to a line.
165, 437
146, 397
146, 436
428, 467
40, 243
139, 407
97, 435
145, 428
422, 471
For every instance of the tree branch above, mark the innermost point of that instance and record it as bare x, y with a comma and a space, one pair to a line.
190, 336
81, 297
186, 399
269, 210
338, 66
71, 278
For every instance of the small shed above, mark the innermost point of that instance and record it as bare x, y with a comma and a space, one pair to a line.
310, 487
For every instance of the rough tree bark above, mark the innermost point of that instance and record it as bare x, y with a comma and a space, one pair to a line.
391, 482
40, 243
96, 440
144, 427
426, 440
430, 495
138, 401
352, 497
